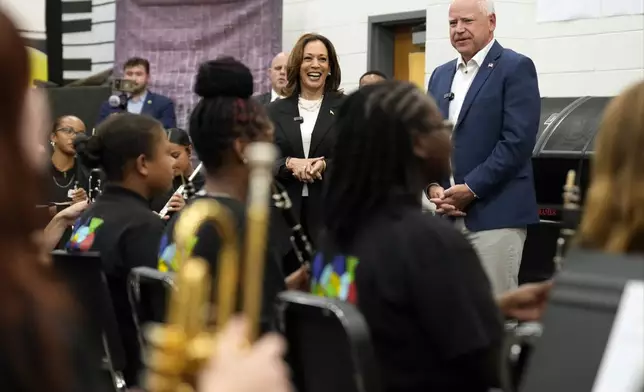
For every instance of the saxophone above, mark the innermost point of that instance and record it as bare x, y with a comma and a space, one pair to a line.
197, 312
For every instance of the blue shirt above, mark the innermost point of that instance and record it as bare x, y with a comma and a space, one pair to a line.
136, 107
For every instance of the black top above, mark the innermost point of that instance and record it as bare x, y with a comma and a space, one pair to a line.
421, 288
285, 115
126, 233
60, 187
207, 245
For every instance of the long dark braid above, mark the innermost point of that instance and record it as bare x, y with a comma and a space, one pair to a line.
374, 163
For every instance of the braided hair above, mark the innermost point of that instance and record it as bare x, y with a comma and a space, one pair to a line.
225, 112
375, 162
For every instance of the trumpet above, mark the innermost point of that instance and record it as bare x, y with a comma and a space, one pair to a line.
182, 345
570, 218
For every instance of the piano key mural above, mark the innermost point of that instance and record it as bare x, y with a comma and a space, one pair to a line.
88, 31
67, 39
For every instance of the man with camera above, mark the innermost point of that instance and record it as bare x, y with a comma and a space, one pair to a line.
132, 95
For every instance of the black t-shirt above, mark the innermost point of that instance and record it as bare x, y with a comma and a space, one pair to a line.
126, 233
207, 245
59, 190
421, 288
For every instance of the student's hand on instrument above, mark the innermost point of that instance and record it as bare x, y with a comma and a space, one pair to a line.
235, 369
68, 216
79, 195
525, 303
176, 203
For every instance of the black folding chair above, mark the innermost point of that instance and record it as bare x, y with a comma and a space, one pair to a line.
83, 274
148, 293
329, 344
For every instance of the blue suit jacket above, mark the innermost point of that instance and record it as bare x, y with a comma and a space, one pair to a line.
156, 105
494, 137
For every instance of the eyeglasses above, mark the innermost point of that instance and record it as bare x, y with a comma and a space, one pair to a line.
67, 131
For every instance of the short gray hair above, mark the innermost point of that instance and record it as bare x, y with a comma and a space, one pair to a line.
487, 6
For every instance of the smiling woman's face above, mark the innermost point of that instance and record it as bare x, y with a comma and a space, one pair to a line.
315, 66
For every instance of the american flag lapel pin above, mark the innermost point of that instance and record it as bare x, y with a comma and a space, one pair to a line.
490, 65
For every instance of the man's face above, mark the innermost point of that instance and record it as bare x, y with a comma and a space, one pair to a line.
138, 75
277, 72
470, 29
370, 79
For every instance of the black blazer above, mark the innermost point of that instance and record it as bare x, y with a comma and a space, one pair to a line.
288, 138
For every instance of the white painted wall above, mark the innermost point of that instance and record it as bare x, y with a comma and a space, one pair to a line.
597, 57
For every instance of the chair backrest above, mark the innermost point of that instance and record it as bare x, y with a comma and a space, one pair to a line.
329, 344
83, 274
148, 292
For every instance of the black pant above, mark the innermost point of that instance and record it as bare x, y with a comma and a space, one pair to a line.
290, 262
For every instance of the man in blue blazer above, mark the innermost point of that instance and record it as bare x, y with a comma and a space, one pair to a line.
142, 101
491, 96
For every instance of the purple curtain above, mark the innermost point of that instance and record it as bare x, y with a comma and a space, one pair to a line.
176, 36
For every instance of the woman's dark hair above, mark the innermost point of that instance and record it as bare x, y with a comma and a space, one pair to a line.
374, 163
32, 304
121, 138
226, 111
178, 136
296, 57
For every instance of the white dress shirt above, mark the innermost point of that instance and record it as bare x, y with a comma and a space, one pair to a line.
275, 95
309, 117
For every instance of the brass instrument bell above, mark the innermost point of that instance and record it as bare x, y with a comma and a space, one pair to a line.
181, 346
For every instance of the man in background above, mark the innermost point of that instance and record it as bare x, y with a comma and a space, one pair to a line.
277, 74
491, 95
142, 100
371, 77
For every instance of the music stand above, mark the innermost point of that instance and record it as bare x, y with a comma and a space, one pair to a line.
578, 321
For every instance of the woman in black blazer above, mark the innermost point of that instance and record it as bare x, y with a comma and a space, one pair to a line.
305, 133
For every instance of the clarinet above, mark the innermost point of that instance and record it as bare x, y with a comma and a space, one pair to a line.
299, 240
95, 187
570, 218
183, 191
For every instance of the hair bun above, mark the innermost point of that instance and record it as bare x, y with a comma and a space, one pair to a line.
224, 77
89, 150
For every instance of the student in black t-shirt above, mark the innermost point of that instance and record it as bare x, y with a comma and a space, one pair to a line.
419, 284
182, 152
223, 123
68, 181
134, 154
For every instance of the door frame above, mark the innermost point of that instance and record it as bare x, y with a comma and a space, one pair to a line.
380, 38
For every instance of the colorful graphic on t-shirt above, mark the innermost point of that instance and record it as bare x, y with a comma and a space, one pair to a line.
334, 279
84, 234
168, 260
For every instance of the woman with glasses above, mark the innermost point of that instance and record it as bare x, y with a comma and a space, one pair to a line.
67, 179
